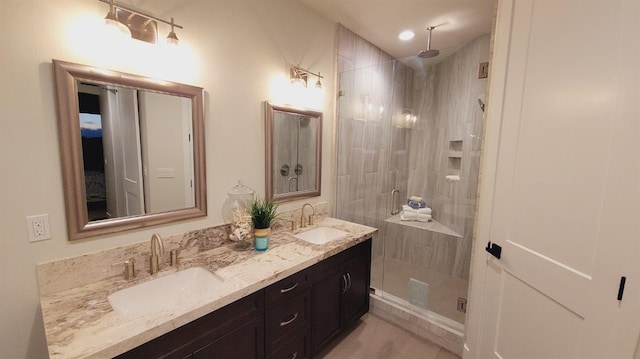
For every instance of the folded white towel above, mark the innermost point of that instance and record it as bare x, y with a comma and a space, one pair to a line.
426, 210
415, 198
409, 216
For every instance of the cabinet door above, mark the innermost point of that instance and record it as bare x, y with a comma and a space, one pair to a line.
325, 311
246, 342
355, 300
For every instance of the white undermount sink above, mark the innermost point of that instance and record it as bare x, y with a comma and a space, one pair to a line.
166, 293
321, 235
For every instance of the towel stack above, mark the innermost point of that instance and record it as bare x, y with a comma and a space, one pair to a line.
416, 210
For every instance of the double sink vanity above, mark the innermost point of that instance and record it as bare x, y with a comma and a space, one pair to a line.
220, 300
210, 297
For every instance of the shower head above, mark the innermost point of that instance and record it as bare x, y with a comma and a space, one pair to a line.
428, 53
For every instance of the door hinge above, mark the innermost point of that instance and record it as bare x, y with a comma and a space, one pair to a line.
494, 249
462, 304
623, 280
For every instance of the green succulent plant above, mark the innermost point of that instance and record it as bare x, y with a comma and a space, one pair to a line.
263, 212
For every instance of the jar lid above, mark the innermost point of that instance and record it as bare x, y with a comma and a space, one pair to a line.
240, 188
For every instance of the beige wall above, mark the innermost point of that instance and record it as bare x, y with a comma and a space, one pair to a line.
236, 50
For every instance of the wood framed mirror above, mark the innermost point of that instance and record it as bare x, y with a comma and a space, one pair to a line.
132, 150
293, 152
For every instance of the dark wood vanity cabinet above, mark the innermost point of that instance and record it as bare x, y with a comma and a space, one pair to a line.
340, 293
288, 317
295, 317
234, 331
242, 343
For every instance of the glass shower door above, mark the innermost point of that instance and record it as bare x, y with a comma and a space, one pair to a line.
364, 136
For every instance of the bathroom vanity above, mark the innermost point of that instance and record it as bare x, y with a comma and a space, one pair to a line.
278, 321
290, 301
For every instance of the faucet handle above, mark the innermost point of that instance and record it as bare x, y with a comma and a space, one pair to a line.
129, 268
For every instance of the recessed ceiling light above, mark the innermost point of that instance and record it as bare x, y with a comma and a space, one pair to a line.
406, 35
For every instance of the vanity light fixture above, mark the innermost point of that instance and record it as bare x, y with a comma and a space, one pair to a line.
300, 76
318, 83
172, 38
111, 20
137, 24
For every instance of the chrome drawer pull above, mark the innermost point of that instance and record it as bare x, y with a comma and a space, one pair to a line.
295, 316
289, 289
295, 355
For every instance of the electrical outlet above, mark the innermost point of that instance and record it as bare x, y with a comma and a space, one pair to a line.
38, 227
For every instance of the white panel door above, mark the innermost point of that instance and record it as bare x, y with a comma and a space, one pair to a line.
561, 184
132, 179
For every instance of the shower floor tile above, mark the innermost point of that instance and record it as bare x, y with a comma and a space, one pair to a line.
444, 290
375, 338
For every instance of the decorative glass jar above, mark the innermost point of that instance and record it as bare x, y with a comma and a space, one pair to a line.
236, 210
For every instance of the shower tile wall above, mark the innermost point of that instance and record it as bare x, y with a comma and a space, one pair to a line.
286, 151
375, 157
446, 100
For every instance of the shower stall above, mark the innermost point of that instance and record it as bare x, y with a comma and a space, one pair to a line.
407, 131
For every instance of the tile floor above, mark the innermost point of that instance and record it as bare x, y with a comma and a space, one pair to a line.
374, 338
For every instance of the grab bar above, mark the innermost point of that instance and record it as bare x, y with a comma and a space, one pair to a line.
393, 202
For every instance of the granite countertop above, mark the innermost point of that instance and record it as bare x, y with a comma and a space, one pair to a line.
80, 323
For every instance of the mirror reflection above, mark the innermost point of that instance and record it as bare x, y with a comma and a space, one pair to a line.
132, 150
293, 152
136, 151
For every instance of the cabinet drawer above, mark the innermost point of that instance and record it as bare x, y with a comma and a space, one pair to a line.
335, 263
286, 319
297, 347
287, 288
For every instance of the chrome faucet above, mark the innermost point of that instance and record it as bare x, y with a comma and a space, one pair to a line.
302, 225
157, 253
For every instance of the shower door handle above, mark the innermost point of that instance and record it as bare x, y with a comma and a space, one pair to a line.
393, 202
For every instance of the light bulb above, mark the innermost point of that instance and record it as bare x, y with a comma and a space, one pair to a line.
111, 20
406, 35
172, 38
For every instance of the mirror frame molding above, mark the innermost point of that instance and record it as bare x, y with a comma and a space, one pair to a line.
270, 107
66, 75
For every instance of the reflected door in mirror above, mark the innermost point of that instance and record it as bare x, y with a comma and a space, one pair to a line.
137, 151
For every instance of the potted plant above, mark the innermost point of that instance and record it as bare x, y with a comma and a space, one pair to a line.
263, 212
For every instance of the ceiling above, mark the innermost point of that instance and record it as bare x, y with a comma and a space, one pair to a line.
381, 21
